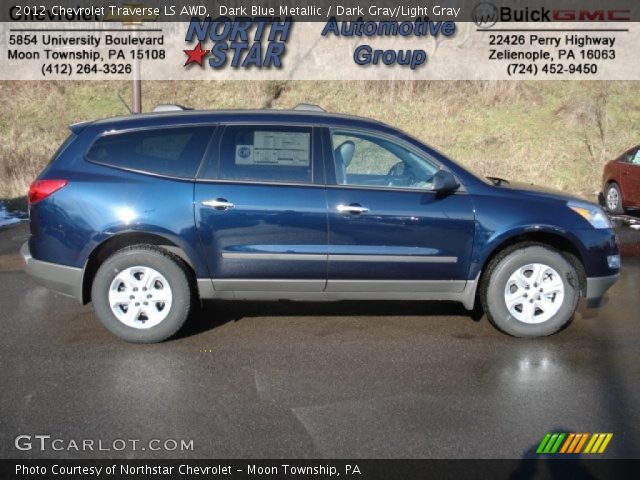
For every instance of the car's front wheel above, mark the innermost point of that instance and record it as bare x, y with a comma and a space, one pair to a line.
530, 291
613, 199
142, 294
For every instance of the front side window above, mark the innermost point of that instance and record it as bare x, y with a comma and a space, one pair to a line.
266, 154
366, 160
175, 152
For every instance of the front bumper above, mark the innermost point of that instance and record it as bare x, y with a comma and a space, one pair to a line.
597, 287
60, 278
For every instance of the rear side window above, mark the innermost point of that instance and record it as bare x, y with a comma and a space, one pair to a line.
266, 154
173, 152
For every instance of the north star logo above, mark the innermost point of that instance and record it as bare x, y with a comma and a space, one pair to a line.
195, 55
239, 43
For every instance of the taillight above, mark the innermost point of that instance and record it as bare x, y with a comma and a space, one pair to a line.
41, 189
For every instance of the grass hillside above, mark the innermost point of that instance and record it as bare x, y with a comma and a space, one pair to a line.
554, 133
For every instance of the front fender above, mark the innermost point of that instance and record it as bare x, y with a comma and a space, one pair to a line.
486, 246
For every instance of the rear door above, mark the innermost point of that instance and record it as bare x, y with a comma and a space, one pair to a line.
260, 209
387, 231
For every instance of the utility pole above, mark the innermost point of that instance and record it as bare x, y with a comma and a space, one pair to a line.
136, 86
133, 21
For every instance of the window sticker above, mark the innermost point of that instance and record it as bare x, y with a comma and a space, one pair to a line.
244, 155
276, 148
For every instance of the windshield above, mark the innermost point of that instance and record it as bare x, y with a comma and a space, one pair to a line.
469, 170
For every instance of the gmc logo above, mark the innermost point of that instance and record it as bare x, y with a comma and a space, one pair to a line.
592, 15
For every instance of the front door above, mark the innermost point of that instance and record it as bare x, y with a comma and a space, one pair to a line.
387, 231
260, 210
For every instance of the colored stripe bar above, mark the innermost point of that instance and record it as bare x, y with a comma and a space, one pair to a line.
606, 441
583, 439
567, 443
551, 443
596, 445
578, 438
592, 441
599, 442
543, 443
556, 446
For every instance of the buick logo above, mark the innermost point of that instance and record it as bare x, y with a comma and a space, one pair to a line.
485, 14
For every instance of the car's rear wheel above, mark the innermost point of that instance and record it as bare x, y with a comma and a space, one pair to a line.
142, 294
530, 290
613, 199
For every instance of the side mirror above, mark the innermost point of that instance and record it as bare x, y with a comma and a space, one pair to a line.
444, 182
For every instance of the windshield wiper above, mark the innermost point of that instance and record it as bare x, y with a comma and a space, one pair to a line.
497, 181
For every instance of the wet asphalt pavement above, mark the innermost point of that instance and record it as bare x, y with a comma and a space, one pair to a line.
345, 380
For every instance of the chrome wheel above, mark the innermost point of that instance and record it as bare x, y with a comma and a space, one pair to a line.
534, 293
140, 297
613, 199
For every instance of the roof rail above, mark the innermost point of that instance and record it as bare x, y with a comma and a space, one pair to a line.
309, 107
170, 107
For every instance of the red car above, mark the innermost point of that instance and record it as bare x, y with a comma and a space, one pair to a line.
621, 182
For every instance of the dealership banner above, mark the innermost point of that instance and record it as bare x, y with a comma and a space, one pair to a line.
320, 40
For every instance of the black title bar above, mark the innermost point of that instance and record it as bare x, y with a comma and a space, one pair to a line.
478, 11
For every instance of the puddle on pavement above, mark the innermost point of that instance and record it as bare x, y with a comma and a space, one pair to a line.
627, 220
12, 212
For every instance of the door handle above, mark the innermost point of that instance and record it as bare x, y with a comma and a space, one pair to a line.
218, 204
354, 208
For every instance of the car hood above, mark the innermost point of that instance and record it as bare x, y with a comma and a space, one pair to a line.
532, 190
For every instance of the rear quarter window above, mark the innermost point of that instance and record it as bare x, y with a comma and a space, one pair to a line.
174, 152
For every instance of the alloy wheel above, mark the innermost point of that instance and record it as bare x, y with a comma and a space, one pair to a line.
534, 293
140, 297
612, 199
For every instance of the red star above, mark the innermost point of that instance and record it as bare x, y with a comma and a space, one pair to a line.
195, 55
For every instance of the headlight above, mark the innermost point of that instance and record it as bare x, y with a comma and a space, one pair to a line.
591, 213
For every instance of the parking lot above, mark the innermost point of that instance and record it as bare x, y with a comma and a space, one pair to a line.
350, 379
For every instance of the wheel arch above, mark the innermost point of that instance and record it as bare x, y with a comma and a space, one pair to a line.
556, 240
610, 182
116, 242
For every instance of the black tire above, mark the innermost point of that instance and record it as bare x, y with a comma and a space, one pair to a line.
616, 209
506, 263
163, 262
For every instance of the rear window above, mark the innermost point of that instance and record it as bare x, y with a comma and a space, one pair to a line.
173, 152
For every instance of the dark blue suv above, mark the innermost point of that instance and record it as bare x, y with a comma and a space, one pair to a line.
144, 215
